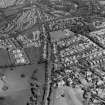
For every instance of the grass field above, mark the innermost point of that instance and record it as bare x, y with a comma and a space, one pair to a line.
19, 88
4, 58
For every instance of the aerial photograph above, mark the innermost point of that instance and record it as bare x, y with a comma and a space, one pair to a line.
52, 52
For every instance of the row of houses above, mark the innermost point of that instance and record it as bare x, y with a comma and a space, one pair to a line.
26, 42
15, 51
18, 57
90, 63
74, 53
98, 37
22, 21
16, 46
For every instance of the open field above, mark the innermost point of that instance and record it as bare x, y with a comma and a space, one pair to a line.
18, 87
4, 58
66, 96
